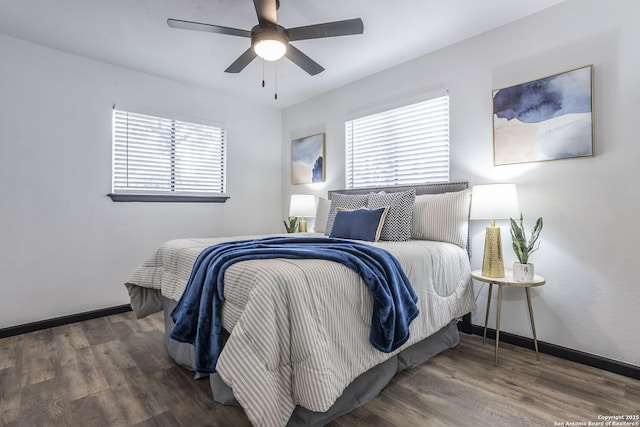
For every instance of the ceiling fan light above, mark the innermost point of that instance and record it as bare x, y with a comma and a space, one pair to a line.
270, 50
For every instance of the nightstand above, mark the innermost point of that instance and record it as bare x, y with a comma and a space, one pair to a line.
508, 281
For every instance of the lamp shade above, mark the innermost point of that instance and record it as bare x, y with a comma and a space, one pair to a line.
494, 201
302, 205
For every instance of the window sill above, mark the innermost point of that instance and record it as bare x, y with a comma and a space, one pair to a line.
166, 198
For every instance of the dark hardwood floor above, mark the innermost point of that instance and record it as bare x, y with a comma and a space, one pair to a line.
113, 371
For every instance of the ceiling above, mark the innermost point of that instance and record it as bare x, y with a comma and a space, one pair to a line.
134, 34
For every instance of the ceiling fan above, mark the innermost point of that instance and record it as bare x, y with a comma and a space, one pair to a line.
271, 41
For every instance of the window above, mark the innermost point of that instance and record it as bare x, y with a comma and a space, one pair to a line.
159, 159
403, 146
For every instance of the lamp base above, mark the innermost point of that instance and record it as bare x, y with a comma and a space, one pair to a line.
492, 263
302, 225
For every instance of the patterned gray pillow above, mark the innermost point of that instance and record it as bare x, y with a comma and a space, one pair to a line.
397, 225
345, 201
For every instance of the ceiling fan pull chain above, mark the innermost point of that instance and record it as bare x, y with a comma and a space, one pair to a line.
276, 83
263, 73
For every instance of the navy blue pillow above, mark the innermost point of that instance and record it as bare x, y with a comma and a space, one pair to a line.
359, 224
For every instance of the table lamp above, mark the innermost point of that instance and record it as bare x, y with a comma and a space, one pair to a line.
302, 205
491, 202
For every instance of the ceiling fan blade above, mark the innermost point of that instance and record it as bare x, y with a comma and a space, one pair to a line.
266, 11
303, 61
210, 28
328, 29
242, 61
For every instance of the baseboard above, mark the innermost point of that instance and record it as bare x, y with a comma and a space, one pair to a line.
64, 320
592, 360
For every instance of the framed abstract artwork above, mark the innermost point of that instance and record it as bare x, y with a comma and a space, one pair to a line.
307, 159
546, 119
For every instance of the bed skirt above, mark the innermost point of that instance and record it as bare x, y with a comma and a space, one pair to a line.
361, 390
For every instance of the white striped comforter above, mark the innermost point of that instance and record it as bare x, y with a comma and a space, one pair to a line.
300, 328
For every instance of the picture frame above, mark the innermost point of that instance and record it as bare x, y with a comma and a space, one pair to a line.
308, 159
546, 119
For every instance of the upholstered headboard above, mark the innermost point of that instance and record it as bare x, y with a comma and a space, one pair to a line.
441, 187
447, 222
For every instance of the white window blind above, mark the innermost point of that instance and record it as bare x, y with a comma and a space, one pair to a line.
155, 155
403, 146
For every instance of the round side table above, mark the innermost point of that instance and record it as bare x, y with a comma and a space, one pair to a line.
507, 280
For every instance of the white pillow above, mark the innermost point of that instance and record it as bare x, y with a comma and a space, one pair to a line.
442, 217
322, 215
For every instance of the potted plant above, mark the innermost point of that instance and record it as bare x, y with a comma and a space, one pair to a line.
523, 270
293, 224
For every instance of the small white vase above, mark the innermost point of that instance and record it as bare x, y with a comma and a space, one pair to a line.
522, 272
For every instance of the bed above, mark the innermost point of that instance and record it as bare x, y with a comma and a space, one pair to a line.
297, 332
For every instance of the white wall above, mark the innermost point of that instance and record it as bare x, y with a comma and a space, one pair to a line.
65, 247
589, 205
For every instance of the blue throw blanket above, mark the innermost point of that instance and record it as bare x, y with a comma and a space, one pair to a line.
198, 315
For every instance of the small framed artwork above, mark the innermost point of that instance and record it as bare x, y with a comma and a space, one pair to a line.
546, 119
307, 159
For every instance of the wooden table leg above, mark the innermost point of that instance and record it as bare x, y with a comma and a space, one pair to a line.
495, 363
533, 325
486, 317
